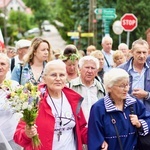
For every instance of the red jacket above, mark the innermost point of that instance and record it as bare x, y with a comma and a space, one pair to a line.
45, 122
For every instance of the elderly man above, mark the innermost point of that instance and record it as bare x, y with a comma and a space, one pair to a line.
139, 71
86, 84
22, 47
107, 52
8, 119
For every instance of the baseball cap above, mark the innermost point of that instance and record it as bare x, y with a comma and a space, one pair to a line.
22, 43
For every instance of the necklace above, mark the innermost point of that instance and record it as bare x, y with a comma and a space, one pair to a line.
59, 116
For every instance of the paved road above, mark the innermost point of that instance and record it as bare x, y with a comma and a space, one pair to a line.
55, 39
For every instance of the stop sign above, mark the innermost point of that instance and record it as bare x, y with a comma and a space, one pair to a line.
128, 22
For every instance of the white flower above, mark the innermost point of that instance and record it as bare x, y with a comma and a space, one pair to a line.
29, 107
17, 108
18, 115
25, 105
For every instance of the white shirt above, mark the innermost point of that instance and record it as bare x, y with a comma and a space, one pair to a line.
8, 119
67, 140
90, 97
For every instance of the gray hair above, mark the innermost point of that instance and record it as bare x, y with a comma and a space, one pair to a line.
138, 42
125, 46
113, 76
3, 55
106, 38
53, 62
88, 58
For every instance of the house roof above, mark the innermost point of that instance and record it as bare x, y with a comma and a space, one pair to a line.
4, 3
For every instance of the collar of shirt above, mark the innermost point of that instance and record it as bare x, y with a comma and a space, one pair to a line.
111, 107
131, 65
94, 84
111, 52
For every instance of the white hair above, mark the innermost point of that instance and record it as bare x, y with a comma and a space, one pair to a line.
107, 38
113, 76
53, 62
82, 61
3, 55
125, 46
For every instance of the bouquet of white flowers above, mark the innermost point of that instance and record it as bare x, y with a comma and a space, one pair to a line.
24, 100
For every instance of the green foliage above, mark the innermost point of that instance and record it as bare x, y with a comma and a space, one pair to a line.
63, 13
141, 11
40, 9
75, 13
19, 19
18, 24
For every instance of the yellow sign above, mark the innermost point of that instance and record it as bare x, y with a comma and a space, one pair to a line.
73, 33
87, 34
76, 34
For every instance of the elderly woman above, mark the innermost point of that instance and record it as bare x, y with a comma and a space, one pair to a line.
8, 119
34, 62
112, 124
60, 121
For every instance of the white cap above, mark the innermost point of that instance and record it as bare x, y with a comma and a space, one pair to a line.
22, 43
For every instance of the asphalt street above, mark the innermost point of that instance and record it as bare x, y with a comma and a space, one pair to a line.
54, 38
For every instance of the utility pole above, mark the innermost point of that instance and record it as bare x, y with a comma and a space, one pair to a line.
5, 23
92, 24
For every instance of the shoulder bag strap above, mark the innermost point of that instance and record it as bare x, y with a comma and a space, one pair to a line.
116, 129
12, 64
20, 73
106, 60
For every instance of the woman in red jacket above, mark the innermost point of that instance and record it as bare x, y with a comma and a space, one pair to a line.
60, 123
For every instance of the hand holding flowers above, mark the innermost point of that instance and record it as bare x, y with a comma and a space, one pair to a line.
24, 100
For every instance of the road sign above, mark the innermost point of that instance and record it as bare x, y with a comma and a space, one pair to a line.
129, 22
117, 28
108, 11
90, 34
98, 11
76, 34
105, 13
73, 34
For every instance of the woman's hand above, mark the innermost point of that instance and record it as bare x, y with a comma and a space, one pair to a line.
104, 146
31, 131
135, 121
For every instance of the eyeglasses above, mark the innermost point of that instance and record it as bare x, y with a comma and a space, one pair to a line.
123, 86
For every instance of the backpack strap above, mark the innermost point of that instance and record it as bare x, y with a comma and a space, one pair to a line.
21, 66
132, 110
12, 64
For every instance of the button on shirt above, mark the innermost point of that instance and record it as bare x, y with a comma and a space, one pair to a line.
90, 97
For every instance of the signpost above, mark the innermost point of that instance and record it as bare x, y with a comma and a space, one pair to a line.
129, 22
107, 15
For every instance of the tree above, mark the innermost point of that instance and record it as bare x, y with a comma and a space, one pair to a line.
63, 13
40, 9
141, 11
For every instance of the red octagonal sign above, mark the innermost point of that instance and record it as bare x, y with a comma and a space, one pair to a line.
129, 22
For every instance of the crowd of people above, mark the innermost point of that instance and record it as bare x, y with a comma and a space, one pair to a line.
85, 98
